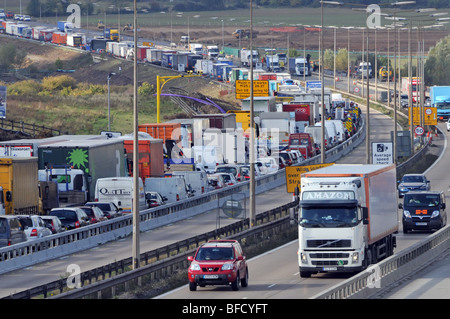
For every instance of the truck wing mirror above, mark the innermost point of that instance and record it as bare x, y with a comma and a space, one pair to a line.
8, 196
365, 211
400, 206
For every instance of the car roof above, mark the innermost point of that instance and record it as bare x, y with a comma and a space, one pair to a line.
220, 243
424, 192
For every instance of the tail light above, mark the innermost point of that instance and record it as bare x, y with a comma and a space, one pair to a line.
178, 197
203, 189
34, 233
77, 224
9, 242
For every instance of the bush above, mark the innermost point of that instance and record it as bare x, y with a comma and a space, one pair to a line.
57, 83
27, 88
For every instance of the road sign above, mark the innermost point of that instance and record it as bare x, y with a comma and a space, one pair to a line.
293, 175
419, 130
313, 84
260, 88
382, 153
429, 115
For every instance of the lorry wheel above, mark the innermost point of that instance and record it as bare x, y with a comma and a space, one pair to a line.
305, 274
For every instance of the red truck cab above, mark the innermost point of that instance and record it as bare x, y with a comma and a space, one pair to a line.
304, 143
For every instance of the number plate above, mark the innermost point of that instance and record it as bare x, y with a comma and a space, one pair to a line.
329, 268
421, 224
210, 276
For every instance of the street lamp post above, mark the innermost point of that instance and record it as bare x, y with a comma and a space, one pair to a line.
109, 100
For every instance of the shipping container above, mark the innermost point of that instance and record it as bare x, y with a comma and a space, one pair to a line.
59, 38
220, 121
164, 131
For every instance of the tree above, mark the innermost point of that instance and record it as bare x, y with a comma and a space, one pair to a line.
438, 64
11, 57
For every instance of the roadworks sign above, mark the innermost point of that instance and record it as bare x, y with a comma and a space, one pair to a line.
294, 173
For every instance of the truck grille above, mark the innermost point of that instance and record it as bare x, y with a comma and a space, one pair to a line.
321, 263
329, 255
328, 243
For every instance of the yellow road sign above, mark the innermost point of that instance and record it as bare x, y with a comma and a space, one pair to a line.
260, 88
429, 115
293, 175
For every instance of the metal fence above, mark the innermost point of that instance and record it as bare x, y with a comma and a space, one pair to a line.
162, 262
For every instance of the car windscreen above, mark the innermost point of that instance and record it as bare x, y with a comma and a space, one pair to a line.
231, 170
430, 200
65, 215
215, 253
26, 222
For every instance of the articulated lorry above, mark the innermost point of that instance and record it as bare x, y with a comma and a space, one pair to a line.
347, 217
77, 164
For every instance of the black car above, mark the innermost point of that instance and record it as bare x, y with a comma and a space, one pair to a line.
71, 217
423, 210
109, 209
11, 231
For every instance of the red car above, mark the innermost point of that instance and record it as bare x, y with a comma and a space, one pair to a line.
218, 262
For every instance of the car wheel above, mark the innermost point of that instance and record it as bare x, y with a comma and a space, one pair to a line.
235, 284
405, 230
192, 286
244, 281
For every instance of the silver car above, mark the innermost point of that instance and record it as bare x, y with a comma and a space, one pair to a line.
34, 226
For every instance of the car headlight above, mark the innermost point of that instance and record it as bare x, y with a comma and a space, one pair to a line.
423, 187
435, 214
195, 267
227, 267
407, 214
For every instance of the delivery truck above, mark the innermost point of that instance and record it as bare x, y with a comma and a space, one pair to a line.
77, 164
347, 217
19, 185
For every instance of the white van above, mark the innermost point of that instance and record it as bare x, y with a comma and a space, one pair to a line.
331, 131
119, 190
340, 130
174, 188
197, 179
316, 133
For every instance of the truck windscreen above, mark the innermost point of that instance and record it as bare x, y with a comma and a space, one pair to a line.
326, 216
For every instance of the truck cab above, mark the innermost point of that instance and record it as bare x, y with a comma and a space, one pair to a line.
72, 184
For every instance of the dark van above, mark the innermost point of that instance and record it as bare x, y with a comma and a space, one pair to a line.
11, 231
423, 210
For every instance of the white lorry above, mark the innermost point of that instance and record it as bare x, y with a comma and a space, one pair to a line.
119, 190
212, 51
196, 48
347, 217
246, 57
302, 67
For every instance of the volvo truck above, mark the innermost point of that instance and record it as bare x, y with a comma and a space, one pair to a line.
347, 217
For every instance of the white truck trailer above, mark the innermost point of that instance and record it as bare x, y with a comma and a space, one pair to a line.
347, 217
